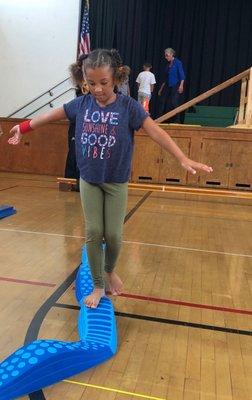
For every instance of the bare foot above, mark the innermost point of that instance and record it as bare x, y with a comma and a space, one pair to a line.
114, 282
93, 299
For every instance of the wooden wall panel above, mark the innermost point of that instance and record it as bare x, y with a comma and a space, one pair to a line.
227, 150
146, 160
241, 165
217, 154
41, 152
170, 170
211, 146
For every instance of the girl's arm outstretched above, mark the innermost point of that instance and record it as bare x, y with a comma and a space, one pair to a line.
36, 122
165, 141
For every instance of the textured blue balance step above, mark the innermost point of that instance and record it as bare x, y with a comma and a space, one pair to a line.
98, 325
46, 362
83, 282
6, 211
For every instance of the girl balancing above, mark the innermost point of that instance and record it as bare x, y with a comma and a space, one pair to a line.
105, 125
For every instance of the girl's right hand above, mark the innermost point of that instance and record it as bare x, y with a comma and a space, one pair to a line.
16, 138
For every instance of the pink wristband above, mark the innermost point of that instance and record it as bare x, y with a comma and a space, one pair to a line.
25, 126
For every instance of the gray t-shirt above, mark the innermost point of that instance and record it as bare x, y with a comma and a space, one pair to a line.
104, 136
123, 87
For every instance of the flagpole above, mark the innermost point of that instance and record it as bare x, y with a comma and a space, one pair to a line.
79, 28
84, 44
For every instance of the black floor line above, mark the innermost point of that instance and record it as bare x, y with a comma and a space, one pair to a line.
168, 321
134, 209
10, 187
33, 329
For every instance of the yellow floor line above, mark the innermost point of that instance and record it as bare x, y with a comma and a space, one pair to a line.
113, 390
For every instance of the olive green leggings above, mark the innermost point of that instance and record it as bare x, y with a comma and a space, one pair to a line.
104, 207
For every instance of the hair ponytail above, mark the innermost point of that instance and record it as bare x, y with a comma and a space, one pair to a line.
122, 73
76, 71
116, 58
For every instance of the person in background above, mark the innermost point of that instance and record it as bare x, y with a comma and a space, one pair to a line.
104, 134
123, 87
146, 81
71, 168
173, 86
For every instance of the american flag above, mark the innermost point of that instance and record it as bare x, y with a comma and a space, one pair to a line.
84, 46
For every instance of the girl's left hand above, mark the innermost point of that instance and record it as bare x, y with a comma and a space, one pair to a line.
193, 166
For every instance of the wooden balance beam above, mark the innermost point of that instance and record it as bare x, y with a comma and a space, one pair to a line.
67, 184
209, 93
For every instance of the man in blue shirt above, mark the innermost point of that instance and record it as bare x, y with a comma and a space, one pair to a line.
173, 87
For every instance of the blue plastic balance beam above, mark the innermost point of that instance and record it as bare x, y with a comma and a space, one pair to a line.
46, 362
5, 211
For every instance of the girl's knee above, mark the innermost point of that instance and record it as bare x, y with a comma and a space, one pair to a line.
113, 238
94, 235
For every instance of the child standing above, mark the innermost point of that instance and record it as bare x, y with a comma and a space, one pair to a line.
123, 85
105, 125
146, 81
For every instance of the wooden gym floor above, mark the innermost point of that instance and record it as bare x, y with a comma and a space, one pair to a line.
184, 319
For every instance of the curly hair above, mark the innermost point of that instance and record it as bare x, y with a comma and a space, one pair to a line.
100, 58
